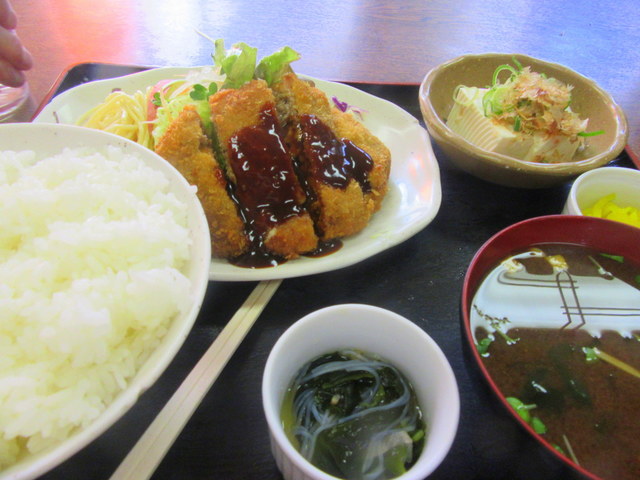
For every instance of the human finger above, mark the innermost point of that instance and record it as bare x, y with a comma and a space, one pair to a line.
10, 76
12, 50
8, 18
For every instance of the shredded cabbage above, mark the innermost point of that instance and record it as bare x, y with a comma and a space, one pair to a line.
172, 108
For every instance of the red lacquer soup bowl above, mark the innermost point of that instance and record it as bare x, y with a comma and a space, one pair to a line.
551, 312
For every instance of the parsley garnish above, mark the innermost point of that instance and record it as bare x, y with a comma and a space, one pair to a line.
200, 92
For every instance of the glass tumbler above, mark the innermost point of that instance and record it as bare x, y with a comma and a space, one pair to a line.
15, 103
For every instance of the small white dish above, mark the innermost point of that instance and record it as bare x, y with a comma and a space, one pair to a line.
377, 331
412, 202
49, 139
591, 186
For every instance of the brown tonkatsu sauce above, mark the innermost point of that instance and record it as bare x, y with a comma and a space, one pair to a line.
331, 160
266, 188
325, 248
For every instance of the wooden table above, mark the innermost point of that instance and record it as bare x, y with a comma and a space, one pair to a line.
373, 42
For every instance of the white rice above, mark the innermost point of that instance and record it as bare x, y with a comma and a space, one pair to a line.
92, 245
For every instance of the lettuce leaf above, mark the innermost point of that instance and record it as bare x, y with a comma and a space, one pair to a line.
272, 67
238, 63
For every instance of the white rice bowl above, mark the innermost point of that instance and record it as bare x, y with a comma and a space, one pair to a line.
104, 260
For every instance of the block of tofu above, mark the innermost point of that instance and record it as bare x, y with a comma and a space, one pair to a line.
189, 150
261, 170
468, 120
345, 167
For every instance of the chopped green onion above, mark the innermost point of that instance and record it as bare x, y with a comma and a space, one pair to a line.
617, 258
486, 103
590, 354
590, 134
517, 124
456, 91
501, 68
156, 99
491, 103
538, 426
483, 346
518, 64
611, 360
521, 409
558, 448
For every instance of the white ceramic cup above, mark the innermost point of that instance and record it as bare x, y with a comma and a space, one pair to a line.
595, 184
373, 330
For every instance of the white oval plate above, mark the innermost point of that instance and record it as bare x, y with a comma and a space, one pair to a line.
412, 202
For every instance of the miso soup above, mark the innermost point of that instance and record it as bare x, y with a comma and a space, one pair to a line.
558, 328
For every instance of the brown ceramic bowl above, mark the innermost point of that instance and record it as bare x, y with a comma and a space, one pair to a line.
589, 100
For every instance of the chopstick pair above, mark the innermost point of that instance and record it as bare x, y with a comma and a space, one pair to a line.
151, 448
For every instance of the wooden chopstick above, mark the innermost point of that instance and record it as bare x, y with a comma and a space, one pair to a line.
151, 448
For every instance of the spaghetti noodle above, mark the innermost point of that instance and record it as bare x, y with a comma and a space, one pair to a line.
121, 114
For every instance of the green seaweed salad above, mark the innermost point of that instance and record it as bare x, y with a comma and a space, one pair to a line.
354, 416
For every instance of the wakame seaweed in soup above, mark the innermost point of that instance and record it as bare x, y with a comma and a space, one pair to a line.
354, 416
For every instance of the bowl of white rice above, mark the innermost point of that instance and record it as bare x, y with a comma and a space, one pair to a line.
104, 261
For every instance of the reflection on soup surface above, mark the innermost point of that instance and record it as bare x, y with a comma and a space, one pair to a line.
558, 328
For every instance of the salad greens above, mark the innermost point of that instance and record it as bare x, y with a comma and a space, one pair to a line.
272, 67
171, 98
238, 64
232, 69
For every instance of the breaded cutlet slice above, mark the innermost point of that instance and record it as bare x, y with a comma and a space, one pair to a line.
261, 169
347, 126
339, 209
189, 150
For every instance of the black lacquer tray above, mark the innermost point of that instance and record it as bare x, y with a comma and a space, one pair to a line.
421, 279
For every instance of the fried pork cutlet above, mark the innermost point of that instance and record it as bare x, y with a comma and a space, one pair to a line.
189, 150
344, 166
261, 170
